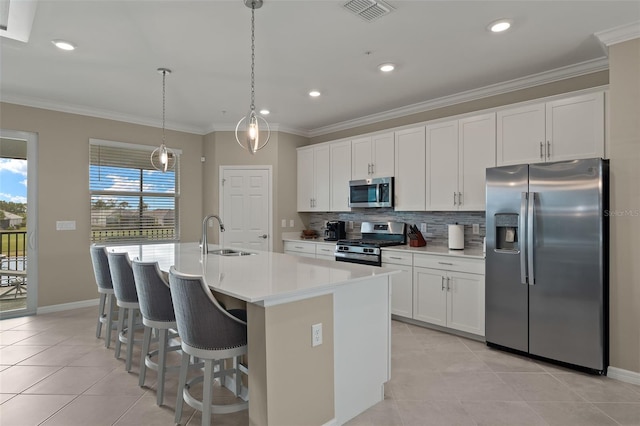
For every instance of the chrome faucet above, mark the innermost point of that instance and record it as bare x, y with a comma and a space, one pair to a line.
205, 244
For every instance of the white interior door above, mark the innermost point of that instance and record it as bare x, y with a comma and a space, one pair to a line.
245, 203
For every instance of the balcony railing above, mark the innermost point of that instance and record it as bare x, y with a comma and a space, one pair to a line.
13, 257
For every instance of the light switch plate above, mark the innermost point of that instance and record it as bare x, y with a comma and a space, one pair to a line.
291, 223
284, 223
476, 228
65, 225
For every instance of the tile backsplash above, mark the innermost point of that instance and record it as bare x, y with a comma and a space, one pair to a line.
436, 222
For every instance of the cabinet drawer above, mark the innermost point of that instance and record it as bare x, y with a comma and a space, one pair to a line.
449, 263
325, 250
397, 258
300, 247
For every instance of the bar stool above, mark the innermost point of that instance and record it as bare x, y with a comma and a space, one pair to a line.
107, 305
157, 316
127, 299
211, 334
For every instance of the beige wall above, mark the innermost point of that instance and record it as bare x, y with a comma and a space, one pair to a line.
564, 86
221, 148
65, 273
624, 110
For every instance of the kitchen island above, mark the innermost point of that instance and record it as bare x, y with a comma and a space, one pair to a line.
292, 382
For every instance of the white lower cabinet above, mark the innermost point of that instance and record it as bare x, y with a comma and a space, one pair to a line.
300, 248
401, 284
309, 249
450, 297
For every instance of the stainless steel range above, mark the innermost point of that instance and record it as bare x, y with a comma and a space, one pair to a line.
375, 235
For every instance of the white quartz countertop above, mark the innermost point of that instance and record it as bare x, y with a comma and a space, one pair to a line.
475, 253
266, 278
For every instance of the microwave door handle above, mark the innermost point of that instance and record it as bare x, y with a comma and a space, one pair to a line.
378, 194
522, 237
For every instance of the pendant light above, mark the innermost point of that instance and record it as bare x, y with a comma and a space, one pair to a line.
163, 158
248, 133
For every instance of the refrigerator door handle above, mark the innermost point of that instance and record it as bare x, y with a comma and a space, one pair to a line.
523, 226
530, 232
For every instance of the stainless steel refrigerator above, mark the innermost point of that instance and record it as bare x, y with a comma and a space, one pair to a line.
547, 265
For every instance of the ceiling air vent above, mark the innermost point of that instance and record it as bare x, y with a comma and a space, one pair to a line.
368, 10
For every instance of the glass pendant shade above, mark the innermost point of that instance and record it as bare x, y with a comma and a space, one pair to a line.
250, 134
163, 158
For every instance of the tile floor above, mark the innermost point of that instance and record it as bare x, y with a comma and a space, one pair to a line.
53, 371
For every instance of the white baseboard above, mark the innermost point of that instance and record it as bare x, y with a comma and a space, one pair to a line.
67, 306
627, 376
331, 422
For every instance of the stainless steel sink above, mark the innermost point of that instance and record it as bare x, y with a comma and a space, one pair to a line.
230, 252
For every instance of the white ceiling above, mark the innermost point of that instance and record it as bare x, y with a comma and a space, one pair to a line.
441, 48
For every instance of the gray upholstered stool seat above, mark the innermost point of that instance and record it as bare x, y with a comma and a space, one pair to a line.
127, 299
107, 305
158, 316
212, 335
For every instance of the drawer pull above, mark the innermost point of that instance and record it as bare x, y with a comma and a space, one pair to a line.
445, 263
393, 257
298, 247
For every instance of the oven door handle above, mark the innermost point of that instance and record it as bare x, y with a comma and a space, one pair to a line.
358, 257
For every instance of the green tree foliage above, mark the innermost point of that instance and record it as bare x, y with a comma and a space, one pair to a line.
16, 208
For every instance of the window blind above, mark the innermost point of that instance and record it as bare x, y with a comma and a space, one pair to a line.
131, 202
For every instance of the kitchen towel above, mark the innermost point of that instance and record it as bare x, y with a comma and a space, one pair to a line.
456, 237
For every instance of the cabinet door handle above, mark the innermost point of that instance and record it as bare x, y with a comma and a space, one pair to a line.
443, 278
454, 199
448, 284
548, 149
459, 198
263, 236
373, 168
541, 156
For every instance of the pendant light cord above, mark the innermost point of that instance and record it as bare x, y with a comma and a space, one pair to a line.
253, 56
164, 75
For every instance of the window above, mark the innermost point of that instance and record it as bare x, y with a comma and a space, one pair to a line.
131, 202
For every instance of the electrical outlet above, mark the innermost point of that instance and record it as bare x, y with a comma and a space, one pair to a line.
291, 223
325, 224
316, 334
350, 225
476, 228
423, 228
284, 223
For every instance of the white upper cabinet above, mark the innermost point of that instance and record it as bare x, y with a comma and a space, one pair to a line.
372, 156
442, 165
564, 129
314, 178
575, 128
409, 182
458, 154
340, 175
477, 152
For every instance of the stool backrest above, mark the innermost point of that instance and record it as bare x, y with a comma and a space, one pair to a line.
124, 285
154, 295
101, 266
202, 322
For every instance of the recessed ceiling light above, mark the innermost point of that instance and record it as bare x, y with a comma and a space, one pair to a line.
264, 111
388, 67
500, 25
63, 45
314, 93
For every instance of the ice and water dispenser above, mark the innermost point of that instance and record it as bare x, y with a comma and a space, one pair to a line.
507, 232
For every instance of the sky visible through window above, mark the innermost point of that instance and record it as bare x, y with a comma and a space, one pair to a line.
13, 180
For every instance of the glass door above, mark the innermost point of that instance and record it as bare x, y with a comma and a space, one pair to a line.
18, 221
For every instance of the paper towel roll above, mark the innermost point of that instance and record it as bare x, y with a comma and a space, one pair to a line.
456, 237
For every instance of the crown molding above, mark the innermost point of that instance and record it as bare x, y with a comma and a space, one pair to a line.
582, 68
619, 34
587, 67
97, 113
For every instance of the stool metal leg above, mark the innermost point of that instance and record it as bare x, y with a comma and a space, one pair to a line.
207, 392
182, 381
121, 315
162, 362
130, 337
101, 313
146, 343
111, 305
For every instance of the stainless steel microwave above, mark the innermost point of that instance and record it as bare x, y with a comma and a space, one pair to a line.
375, 192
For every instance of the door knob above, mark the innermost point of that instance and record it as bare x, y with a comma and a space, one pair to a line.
264, 236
